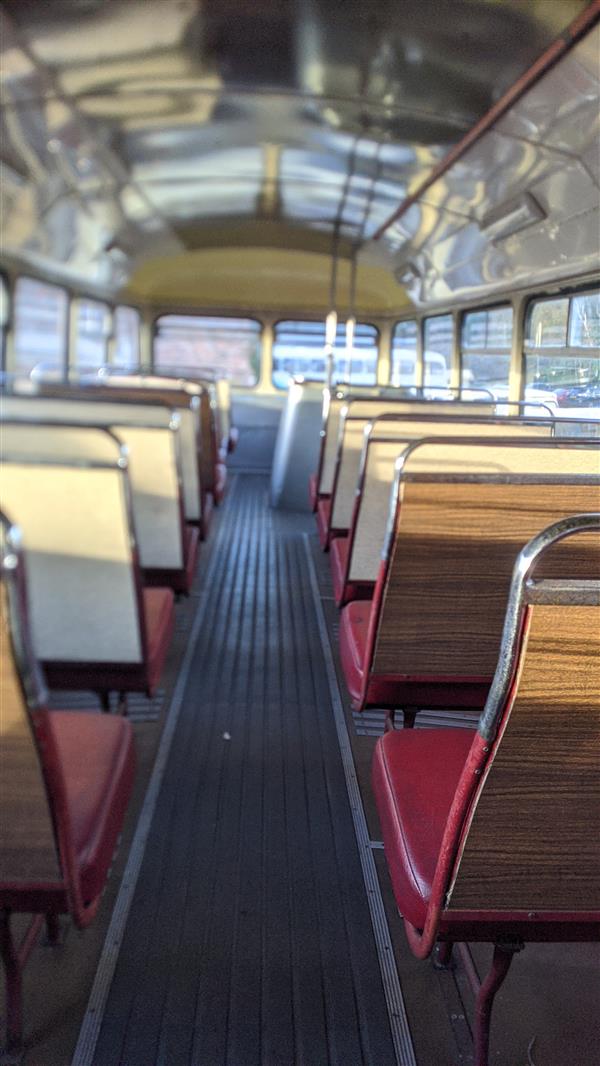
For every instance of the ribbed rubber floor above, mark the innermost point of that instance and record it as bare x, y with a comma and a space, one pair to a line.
249, 942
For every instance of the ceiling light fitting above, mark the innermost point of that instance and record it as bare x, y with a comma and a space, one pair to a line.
511, 217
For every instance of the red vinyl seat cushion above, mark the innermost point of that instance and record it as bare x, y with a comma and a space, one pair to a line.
354, 629
159, 613
97, 763
415, 773
323, 517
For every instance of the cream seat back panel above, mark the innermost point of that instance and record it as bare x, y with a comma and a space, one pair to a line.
330, 447
448, 458
350, 442
51, 409
61, 443
85, 411
153, 463
82, 597
155, 495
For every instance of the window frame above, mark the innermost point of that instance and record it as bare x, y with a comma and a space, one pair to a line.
554, 349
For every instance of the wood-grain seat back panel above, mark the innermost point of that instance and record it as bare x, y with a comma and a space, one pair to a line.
27, 845
454, 551
379, 470
351, 440
532, 843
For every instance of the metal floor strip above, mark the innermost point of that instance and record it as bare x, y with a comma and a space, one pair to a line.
92, 1021
401, 1035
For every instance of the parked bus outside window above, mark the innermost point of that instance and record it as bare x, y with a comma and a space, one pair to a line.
93, 331
40, 325
193, 344
298, 351
486, 342
439, 331
404, 354
562, 354
126, 332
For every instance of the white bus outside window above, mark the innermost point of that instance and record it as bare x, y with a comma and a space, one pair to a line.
404, 354
438, 340
298, 351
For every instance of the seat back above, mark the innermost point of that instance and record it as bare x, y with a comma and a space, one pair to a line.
28, 851
203, 393
443, 586
67, 487
384, 440
151, 434
355, 416
184, 401
528, 840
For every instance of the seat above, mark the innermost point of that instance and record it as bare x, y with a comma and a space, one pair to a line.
431, 635
313, 494
220, 481
414, 805
487, 833
344, 590
159, 613
323, 516
354, 631
66, 781
181, 580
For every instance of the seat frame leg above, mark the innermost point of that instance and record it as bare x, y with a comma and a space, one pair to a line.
52, 929
122, 704
503, 956
409, 714
442, 957
105, 702
14, 958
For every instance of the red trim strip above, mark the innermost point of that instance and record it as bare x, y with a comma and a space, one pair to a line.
573, 33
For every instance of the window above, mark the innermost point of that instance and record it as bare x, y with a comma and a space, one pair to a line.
192, 344
3, 318
93, 330
298, 350
438, 351
562, 354
404, 354
486, 341
40, 325
126, 331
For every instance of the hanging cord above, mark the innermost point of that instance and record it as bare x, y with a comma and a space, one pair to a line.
331, 321
352, 314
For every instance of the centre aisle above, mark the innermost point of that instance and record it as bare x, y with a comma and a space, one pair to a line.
249, 941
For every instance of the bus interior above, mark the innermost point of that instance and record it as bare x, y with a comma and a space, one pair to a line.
300, 532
